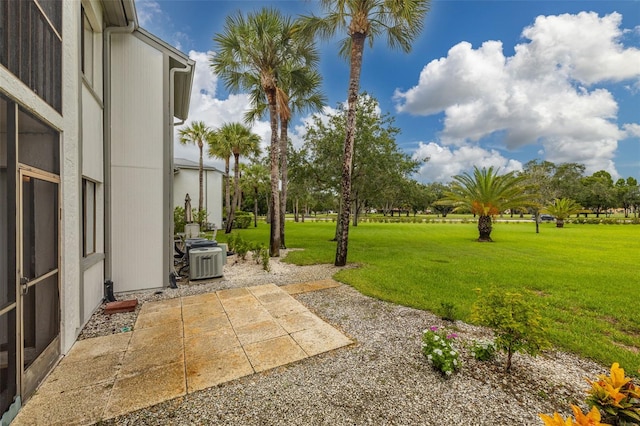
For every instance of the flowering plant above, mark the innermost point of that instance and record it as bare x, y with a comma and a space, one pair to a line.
438, 349
616, 396
483, 350
590, 419
613, 399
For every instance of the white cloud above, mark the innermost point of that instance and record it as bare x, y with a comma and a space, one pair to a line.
205, 106
147, 10
446, 162
632, 130
543, 94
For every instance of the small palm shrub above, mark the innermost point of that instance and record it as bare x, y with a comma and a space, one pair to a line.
239, 245
261, 255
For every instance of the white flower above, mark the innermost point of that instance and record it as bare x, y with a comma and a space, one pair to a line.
453, 353
436, 338
448, 373
455, 362
429, 357
437, 351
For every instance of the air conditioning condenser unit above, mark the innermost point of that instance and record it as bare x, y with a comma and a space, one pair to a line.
205, 262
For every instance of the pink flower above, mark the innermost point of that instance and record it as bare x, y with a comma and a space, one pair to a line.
433, 328
452, 336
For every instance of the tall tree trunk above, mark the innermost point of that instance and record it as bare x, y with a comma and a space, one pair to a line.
357, 49
284, 136
227, 190
274, 237
296, 213
356, 211
239, 199
236, 192
338, 224
255, 207
267, 218
484, 228
201, 179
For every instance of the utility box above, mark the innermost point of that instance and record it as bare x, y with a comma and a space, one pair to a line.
205, 262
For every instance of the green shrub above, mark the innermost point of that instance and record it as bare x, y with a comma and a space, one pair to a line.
261, 255
200, 217
242, 220
483, 350
517, 324
178, 219
447, 311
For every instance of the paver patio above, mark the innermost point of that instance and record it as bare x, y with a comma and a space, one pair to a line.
179, 346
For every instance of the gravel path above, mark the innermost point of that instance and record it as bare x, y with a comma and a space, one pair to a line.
383, 379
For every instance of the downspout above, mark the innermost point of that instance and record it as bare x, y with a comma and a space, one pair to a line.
168, 183
106, 128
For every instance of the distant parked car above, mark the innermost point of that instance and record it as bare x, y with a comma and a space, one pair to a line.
544, 218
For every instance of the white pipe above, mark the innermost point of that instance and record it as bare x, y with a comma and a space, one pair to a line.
169, 192
106, 76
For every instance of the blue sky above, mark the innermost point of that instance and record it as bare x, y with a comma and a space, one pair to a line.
487, 83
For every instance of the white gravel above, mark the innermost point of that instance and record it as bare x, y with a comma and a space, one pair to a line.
383, 379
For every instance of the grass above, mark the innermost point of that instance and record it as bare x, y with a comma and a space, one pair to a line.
584, 278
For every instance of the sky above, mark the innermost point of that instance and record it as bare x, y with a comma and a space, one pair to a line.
487, 83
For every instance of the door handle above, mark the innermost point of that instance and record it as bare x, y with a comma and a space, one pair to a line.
24, 285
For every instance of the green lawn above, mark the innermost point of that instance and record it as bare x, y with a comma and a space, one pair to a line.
584, 278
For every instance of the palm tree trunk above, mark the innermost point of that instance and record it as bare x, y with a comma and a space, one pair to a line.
274, 237
255, 207
484, 228
357, 49
200, 176
227, 189
236, 191
284, 135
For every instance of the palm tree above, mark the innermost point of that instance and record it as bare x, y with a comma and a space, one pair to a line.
255, 177
486, 194
401, 21
561, 209
300, 84
198, 133
219, 147
242, 142
251, 52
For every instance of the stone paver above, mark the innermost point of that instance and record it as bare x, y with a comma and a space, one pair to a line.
179, 346
310, 286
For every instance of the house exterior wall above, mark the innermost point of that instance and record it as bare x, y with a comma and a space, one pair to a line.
70, 170
136, 164
186, 181
137, 168
92, 150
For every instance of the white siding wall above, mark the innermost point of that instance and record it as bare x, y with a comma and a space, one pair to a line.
92, 292
187, 181
93, 158
137, 160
